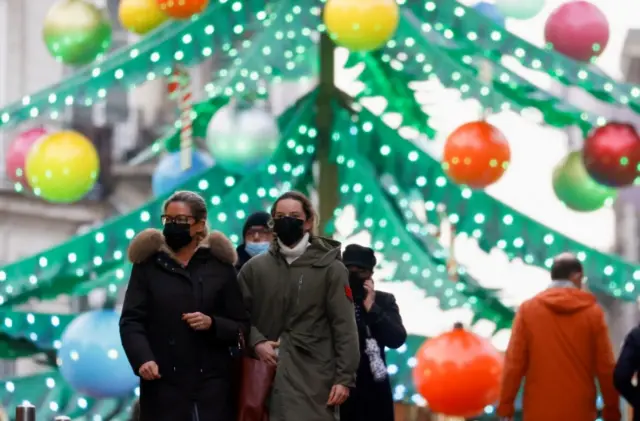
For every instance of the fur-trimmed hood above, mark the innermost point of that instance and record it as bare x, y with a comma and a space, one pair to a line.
151, 241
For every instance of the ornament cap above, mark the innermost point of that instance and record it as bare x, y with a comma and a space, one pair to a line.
458, 326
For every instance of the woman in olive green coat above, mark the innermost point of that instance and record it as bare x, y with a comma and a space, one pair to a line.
302, 316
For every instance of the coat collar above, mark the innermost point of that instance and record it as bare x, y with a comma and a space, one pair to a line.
151, 241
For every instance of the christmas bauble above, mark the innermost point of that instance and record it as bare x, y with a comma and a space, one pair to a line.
520, 9
182, 9
241, 140
458, 373
76, 32
91, 357
573, 186
476, 154
361, 25
611, 154
16, 155
169, 175
491, 11
577, 29
140, 16
62, 167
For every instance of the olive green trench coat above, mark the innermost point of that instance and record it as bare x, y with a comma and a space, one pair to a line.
308, 306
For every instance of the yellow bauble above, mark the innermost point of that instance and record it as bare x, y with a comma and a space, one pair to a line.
62, 167
361, 25
141, 16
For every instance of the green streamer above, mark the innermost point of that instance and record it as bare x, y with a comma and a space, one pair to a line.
458, 22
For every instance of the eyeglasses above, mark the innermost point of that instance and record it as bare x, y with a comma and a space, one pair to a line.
178, 219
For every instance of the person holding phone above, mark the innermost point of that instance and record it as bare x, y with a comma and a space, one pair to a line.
379, 326
183, 311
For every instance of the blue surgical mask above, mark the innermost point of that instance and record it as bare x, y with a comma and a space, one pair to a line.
254, 249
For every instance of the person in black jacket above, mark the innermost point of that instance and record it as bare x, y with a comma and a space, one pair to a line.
627, 369
379, 327
183, 311
256, 237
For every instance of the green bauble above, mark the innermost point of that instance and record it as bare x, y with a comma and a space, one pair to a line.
576, 189
76, 32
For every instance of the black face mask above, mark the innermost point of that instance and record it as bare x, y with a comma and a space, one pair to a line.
357, 286
177, 235
289, 230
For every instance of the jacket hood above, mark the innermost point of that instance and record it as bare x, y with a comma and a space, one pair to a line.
320, 253
567, 300
324, 250
151, 241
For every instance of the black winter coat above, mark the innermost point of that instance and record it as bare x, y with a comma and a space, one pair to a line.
243, 257
627, 366
195, 366
371, 400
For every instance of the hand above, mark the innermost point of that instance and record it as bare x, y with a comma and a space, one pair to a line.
149, 371
370, 297
266, 352
338, 395
197, 321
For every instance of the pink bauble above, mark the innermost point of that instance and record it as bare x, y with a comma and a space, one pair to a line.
17, 153
577, 29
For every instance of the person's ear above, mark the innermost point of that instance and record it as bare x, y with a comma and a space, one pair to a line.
198, 228
308, 225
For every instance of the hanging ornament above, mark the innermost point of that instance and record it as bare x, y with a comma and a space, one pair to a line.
577, 29
611, 154
179, 88
182, 9
62, 167
361, 25
91, 357
490, 11
76, 32
169, 175
242, 138
573, 186
520, 9
476, 154
458, 373
17, 154
140, 16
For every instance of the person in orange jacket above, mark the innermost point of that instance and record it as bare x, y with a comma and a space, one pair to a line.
560, 345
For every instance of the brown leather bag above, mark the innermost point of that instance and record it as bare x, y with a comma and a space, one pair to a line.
255, 379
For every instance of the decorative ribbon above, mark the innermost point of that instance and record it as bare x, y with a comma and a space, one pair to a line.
179, 88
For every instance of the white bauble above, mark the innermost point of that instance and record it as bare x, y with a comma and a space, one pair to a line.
242, 139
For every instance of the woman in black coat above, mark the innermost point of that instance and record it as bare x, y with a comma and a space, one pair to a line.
182, 312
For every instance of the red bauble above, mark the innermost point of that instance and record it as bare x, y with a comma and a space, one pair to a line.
476, 154
611, 154
577, 29
17, 153
182, 9
458, 373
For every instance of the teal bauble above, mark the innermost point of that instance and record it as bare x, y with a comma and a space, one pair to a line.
242, 139
576, 189
76, 32
520, 9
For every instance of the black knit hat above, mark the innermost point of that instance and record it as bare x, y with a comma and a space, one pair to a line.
362, 257
257, 219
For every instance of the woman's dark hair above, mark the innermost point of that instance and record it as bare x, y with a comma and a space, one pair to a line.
307, 206
196, 204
